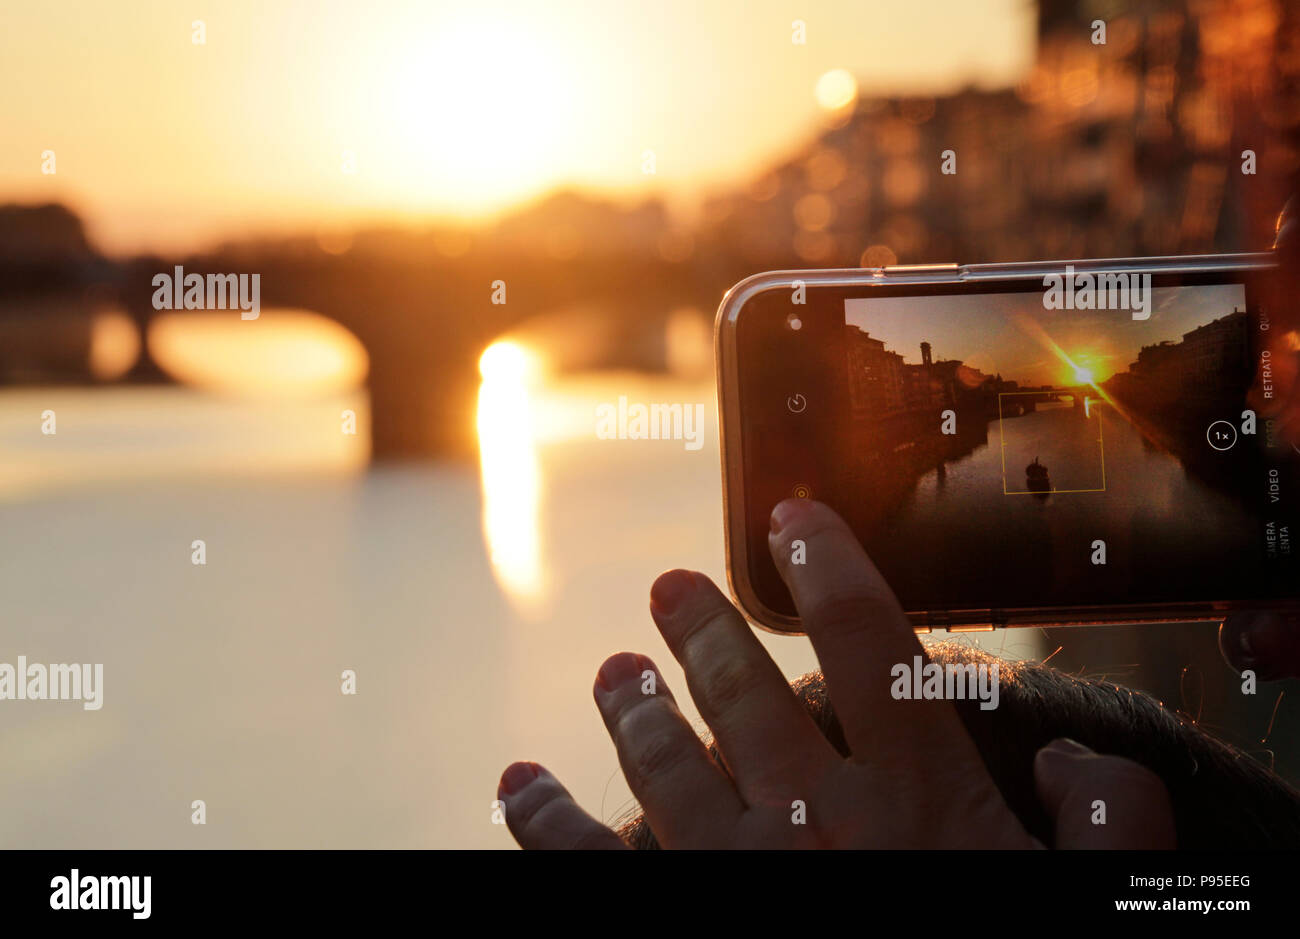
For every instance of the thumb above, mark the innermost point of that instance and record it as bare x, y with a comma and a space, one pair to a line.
1100, 801
1267, 642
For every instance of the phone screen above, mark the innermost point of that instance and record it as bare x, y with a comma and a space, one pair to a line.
1015, 446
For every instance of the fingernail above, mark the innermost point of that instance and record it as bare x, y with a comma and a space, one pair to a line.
1261, 642
670, 589
618, 669
787, 511
1065, 748
1245, 644
1239, 638
517, 776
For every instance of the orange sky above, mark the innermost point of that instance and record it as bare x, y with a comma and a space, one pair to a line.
447, 108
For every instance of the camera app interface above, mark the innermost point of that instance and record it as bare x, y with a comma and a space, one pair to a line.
1032, 449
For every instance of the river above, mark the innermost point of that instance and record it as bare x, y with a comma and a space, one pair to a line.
474, 605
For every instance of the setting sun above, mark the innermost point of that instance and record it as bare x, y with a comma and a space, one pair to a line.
406, 111
483, 103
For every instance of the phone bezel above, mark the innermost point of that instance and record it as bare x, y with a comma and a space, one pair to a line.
736, 534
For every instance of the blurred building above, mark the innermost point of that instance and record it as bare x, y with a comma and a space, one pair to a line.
1131, 146
1208, 359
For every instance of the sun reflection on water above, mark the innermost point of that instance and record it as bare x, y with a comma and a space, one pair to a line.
510, 471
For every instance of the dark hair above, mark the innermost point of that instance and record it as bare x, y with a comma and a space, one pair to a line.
1221, 797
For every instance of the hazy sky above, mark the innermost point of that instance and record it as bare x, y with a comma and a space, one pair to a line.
462, 108
990, 332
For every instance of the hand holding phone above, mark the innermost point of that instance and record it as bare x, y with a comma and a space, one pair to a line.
1025, 444
905, 773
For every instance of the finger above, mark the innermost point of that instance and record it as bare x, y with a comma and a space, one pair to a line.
860, 634
770, 744
687, 798
1265, 642
1104, 802
540, 813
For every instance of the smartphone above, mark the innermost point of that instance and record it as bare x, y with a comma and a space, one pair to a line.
1049, 443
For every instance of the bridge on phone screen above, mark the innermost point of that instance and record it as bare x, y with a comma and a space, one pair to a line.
1013, 403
